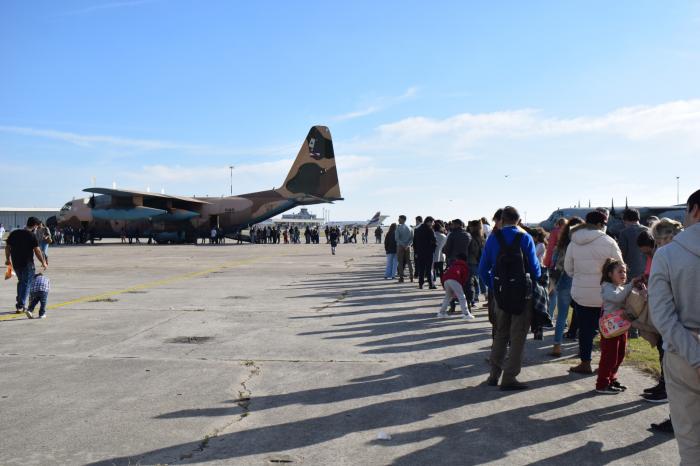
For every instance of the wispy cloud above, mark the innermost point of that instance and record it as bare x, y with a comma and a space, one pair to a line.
377, 105
107, 6
92, 141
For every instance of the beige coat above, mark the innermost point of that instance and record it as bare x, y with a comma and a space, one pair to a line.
585, 256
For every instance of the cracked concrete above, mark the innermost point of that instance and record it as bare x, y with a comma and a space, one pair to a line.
310, 357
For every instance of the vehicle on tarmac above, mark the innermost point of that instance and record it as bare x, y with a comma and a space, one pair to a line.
615, 223
111, 213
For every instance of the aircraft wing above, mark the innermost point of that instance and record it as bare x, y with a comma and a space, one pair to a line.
129, 193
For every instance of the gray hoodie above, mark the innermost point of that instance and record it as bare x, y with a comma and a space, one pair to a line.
674, 294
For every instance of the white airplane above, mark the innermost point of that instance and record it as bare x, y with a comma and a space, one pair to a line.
376, 220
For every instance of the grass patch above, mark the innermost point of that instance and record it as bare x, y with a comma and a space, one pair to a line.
640, 354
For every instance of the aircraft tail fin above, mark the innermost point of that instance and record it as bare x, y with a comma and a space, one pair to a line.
313, 174
375, 218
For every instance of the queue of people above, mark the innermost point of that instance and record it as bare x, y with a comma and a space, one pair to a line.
645, 281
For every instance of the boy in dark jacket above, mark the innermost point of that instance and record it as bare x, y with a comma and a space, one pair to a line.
454, 279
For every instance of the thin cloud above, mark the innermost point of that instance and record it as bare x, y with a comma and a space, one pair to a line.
378, 105
83, 140
107, 6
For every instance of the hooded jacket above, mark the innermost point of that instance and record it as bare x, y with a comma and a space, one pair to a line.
585, 256
674, 295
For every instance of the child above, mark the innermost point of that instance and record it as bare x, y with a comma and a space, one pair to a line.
39, 294
612, 350
454, 279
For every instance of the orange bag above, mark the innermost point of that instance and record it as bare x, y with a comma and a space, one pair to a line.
8, 272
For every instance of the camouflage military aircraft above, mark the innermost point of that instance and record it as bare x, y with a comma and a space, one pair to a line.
313, 179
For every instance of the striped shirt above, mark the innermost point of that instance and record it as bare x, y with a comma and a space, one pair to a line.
41, 284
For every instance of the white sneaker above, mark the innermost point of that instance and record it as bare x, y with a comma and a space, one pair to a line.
29, 314
42, 316
441, 315
468, 316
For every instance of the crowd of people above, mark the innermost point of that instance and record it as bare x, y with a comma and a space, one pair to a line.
643, 284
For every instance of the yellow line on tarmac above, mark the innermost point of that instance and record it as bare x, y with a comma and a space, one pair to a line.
142, 286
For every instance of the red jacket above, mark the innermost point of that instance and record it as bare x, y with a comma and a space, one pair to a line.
457, 271
551, 246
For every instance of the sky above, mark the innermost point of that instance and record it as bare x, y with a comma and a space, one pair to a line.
442, 108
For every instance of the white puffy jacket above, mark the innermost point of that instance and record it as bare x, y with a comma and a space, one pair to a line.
585, 256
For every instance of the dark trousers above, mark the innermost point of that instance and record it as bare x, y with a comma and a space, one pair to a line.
415, 261
424, 264
660, 348
40, 298
612, 353
473, 283
587, 318
25, 278
439, 269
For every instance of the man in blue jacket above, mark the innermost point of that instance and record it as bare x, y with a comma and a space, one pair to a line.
509, 327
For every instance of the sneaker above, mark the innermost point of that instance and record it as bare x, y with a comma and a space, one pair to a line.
655, 388
29, 314
468, 316
618, 386
18, 311
441, 315
656, 397
607, 391
42, 316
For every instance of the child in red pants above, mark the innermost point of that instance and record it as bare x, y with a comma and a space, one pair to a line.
612, 350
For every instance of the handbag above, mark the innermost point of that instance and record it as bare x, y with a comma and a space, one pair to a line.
613, 324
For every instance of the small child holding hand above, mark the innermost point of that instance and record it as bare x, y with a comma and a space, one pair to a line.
39, 293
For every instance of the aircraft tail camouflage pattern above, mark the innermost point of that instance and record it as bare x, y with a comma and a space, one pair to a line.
313, 179
313, 173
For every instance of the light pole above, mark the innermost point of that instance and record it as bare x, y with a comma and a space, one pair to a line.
231, 168
678, 190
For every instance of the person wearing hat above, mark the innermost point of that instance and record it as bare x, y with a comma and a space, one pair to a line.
590, 247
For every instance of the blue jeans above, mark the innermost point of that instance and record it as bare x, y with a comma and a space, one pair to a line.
562, 297
45, 250
587, 329
39, 297
26, 278
391, 265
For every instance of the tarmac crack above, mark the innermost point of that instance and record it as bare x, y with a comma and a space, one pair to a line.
340, 297
243, 401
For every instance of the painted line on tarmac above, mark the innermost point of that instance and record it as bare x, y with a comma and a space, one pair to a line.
142, 286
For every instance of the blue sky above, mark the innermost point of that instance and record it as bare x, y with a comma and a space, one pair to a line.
431, 104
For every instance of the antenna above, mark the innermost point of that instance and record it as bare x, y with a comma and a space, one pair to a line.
94, 181
626, 207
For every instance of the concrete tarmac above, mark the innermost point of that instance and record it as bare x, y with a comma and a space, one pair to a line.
285, 354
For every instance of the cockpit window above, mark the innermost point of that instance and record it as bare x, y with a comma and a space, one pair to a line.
66, 207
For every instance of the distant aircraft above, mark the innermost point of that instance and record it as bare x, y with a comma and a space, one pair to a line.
313, 179
615, 223
376, 220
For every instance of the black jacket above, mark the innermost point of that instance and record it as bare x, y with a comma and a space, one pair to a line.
390, 243
457, 242
424, 241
